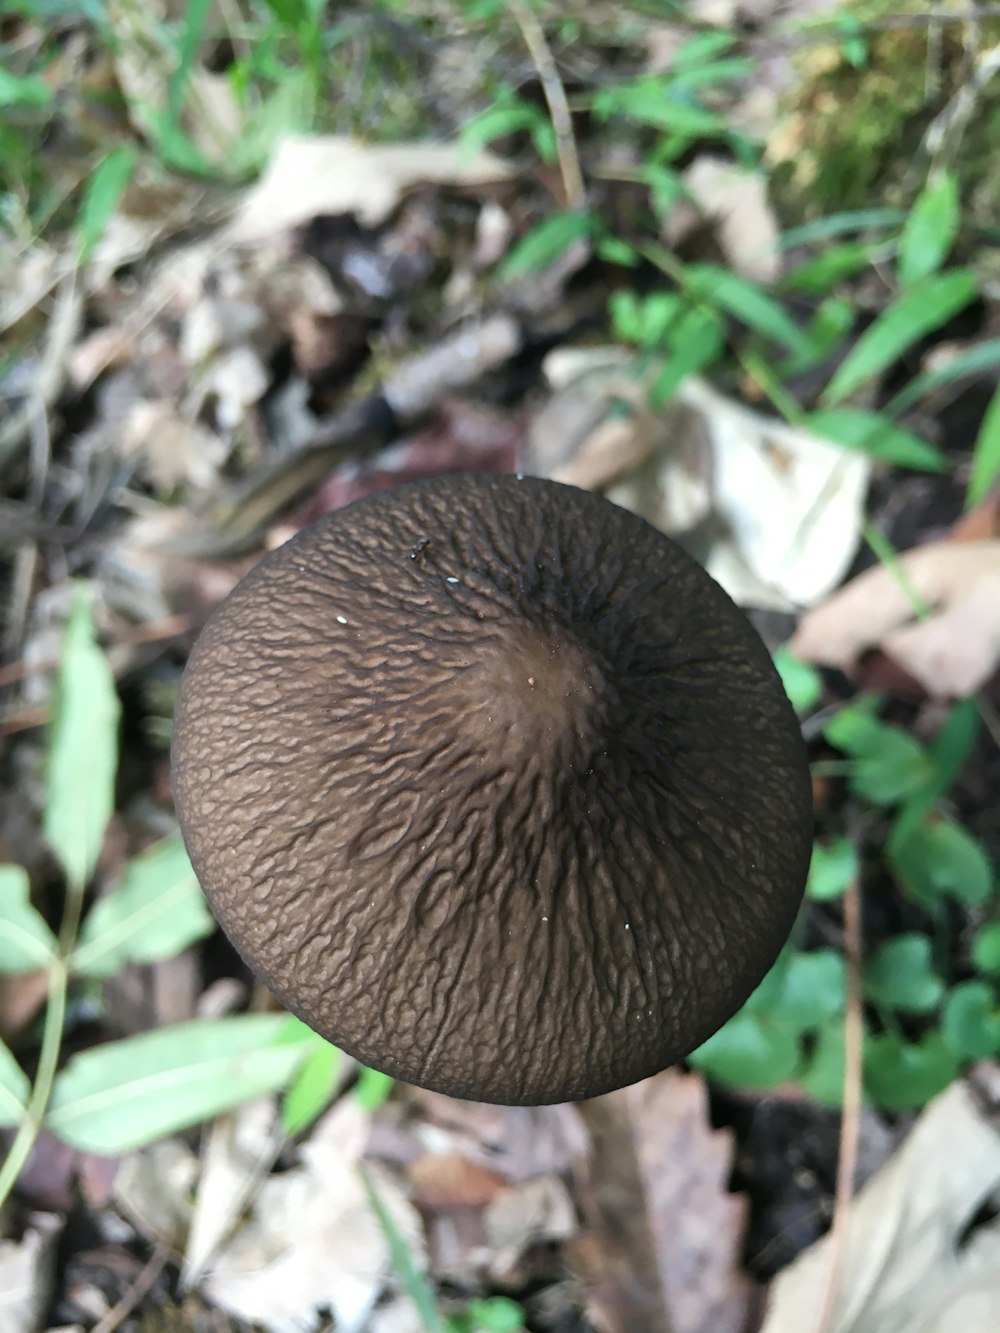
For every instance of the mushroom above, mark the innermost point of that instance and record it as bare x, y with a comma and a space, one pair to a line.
494, 788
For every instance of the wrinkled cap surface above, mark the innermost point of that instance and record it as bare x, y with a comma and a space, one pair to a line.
495, 788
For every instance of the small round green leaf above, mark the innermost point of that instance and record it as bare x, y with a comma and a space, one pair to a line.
751, 1051
986, 949
970, 1021
834, 865
901, 1074
803, 683
899, 975
26, 943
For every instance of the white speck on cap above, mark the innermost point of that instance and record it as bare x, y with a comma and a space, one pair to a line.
341, 620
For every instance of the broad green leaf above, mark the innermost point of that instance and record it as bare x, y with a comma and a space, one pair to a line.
128, 1093
917, 311
546, 243
986, 949
899, 975
495, 1314
157, 910
82, 749
26, 943
746, 302
930, 230
942, 858
901, 1074
873, 434
696, 340
889, 764
105, 186
823, 271
823, 1076
814, 990
312, 1087
855, 729
704, 46
23, 90
15, 1089
750, 1051
373, 1088
946, 755
986, 455
970, 1021
803, 683
834, 865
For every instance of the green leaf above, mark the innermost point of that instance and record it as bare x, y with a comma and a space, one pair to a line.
968, 363
986, 949
23, 90
15, 1089
373, 1088
312, 1087
157, 910
819, 274
834, 865
496, 1314
823, 1075
26, 943
411, 1278
746, 302
941, 858
899, 975
986, 455
946, 756
889, 764
930, 230
873, 434
751, 1051
82, 749
546, 243
695, 341
842, 224
901, 1074
814, 990
129, 1093
917, 311
101, 197
970, 1021
803, 683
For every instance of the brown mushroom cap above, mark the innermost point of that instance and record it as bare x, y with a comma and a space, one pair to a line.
495, 788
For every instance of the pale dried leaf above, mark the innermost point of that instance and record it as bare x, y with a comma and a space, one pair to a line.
26, 1274
910, 1264
527, 1214
153, 1189
311, 176
312, 1240
735, 200
173, 450
952, 653
239, 1148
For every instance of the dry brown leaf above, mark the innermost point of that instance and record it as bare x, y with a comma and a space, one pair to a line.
952, 653
311, 176
915, 1260
734, 199
449, 1180
667, 1230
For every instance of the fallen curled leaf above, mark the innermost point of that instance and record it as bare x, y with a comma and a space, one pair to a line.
951, 653
314, 175
918, 1259
662, 1252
